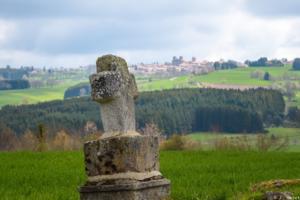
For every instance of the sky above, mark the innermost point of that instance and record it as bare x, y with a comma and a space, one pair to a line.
72, 33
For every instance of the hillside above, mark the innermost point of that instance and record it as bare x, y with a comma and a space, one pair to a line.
174, 111
239, 76
233, 78
34, 95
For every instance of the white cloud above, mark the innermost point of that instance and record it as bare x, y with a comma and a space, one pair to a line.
273, 8
73, 32
6, 29
245, 36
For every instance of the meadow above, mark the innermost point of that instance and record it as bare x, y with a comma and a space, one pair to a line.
195, 175
34, 95
208, 139
239, 76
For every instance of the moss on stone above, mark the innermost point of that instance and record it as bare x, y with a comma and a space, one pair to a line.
112, 63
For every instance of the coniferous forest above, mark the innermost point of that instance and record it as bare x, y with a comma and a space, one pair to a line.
14, 84
174, 111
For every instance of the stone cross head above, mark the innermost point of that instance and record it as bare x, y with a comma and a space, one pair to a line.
115, 89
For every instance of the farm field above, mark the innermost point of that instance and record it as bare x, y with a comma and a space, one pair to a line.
240, 76
34, 95
207, 139
194, 174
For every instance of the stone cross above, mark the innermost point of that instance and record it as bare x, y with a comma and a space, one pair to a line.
121, 164
115, 89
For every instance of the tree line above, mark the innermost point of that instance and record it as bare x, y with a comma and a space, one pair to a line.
296, 64
230, 64
174, 111
264, 62
14, 84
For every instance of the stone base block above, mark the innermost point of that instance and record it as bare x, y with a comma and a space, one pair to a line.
143, 190
122, 154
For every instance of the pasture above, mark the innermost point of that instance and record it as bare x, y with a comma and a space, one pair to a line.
33, 95
205, 175
291, 135
239, 76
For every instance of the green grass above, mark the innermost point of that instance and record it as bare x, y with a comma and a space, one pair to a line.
234, 76
160, 84
194, 175
33, 95
40, 175
242, 76
293, 134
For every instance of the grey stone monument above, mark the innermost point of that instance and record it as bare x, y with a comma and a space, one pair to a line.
121, 164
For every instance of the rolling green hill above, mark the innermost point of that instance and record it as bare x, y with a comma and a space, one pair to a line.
240, 77
34, 95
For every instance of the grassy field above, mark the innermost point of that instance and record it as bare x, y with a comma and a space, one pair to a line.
194, 174
240, 76
207, 139
34, 95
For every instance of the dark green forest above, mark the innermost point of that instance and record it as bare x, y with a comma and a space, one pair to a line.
14, 84
264, 62
174, 111
81, 89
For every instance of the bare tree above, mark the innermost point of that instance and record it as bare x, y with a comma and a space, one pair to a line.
42, 135
8, 139
28, 141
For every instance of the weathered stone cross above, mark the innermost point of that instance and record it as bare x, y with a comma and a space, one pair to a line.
121, 164
115, 89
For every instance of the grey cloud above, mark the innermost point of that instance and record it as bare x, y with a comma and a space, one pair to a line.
84, 36
103, 8
78, 26
57, 28
273, 8
50, 27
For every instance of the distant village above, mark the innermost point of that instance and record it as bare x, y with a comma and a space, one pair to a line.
176, 67
180, 66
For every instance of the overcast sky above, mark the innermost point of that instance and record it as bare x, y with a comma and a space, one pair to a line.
71, 33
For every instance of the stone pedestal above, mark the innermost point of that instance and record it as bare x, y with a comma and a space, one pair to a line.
143, 190
124, 167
